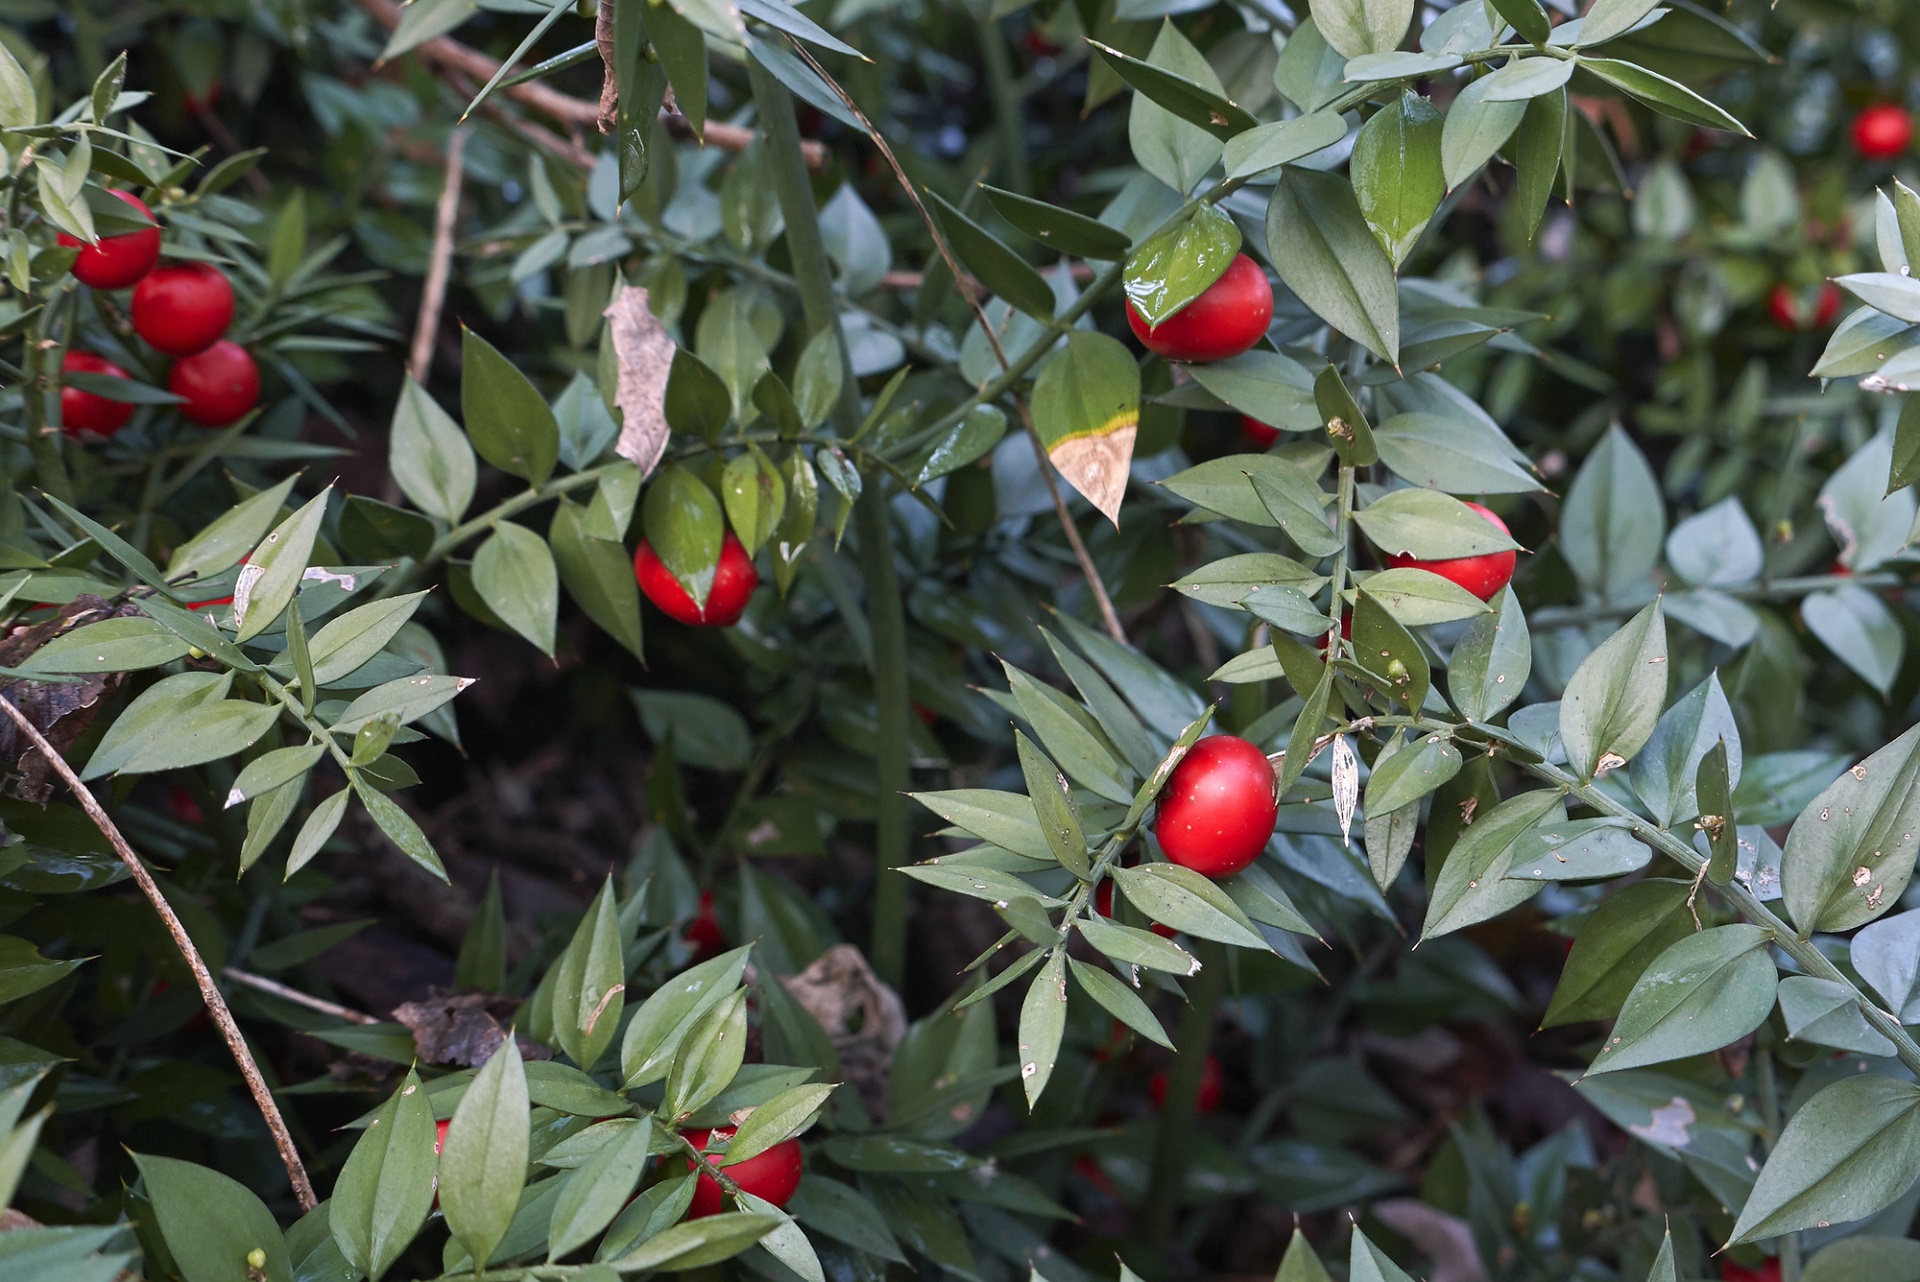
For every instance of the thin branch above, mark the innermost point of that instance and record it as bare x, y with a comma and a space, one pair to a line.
216, 1004
275, 988
447, 53
1092, 575
433, 295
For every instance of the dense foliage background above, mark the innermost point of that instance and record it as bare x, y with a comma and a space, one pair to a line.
1583, 278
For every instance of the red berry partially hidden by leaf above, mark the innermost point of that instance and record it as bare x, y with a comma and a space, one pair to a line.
1231, 315
1882, 131
703, 933
221, 385
85, 413
734, 580
440, 1135
1482, 575
1218, 810
1788, 309
1258, 433
115, 262
772, 1175
1783, 308
182, 308
1769, 1271
1206, 1097
1827, 309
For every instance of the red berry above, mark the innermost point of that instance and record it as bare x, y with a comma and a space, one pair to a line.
184, 807
115, 262
1827, 309
1103, 904
1346, 633
734, 580
182, 308
1206, 1098
1258, 433
1882, 131
84, 412
1482, 575
220, 384
1769, 1271
194, 102
1218, 810
1787, 307
440, 1134
1783, 308
703, 933
772, 1175
1230, 316
927, 715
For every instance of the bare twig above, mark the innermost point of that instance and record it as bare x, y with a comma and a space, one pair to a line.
1072, 531
284, 993
607, 43
216, 1004
449, 54
433, 295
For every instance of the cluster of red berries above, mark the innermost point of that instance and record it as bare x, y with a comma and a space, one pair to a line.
181, 310
734, 580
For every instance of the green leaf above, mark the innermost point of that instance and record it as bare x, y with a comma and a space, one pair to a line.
230, 536
708, 1058
1417, 598
1850, 854
386, 1188
754, 495
1319, 242
1668, 97
23, 970
1261, 150
1861, 631
779, 1119
1430, 525
1043, 1019
589, 983
1536, 152
1187, 901
1472, 885
1583, 850
1005, 819
1172, 269
1365, 1261
405, 700
211, 1223
598, 574
1061, 230
1826, 1012
483, 1163
1455, 454
344, 644
973, 439
429, 456
1525, 79
1476, 127
818, 377
1356, 27
111, 645
399, 827
995, 266
683, 522
663, 1020
1714, 789
706, 732
192, 733
1663, 1269
1612, 703
1884, 1259
19, 104
313, 834
1186, 94
697, 400
831, 1208
1300, 1264
1849, 1152
697, 1243
514, 573
1120, 1002
1613, 522
1396, 172
1170, 147
1610, 18
599, 1188
1070, 737
1053, 802
1297, 506
509, 422
1130, 946
1705, 991
1411, 773
274, 570
1492, 660
272, 769
1383, 647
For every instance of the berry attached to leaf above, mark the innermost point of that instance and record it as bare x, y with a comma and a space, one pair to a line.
182, 308
115, 262
1231, 315
87, 413
734, 580
772, 1175
1218, 810
1482, 575
220, 385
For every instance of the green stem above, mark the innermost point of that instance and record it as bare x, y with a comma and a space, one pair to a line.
1342, 530
1173, 1145
446, 544
39, 384
1009, 123
1768, 1089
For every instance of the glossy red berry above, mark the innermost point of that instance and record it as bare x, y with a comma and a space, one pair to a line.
1257, 433
1231, 315
1882, 131
1206, 1098
772, 1175
1482, 575
182, 308
1218, 810
1768, 1271
1787, 307
734, 580
703, 934
221, 385
85, 413
440, 1134
115, 262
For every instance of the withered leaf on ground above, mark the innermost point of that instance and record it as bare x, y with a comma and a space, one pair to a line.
462, 1028
61, 710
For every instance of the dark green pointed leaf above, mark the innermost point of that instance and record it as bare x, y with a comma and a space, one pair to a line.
1704, 992
1043, 1019
1002, 271
1613, 701
510, 423
1396, 172
212, 1223
386, 1188
1848, 1153
1175, 267
1319, 242
1061, 230
1850, 854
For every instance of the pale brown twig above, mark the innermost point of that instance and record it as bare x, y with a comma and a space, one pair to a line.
448, 53
433, 295
216, 1004
277, 989
1092, 575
